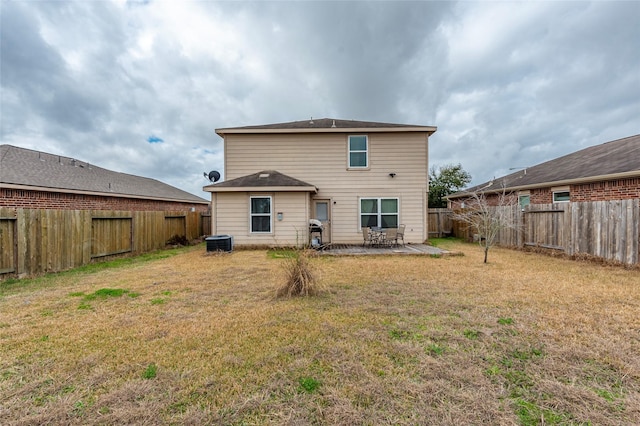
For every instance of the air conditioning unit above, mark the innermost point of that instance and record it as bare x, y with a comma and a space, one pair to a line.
219, 243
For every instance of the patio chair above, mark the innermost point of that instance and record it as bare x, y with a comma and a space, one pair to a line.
400, 234
366, 236
391, 237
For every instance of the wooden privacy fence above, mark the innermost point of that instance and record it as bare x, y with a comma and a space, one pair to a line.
205, 224
605, 229
440, 223
35, 240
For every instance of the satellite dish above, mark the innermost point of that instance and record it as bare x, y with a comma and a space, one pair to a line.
213, 176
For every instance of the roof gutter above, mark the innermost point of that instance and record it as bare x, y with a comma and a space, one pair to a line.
214, 188
575, 181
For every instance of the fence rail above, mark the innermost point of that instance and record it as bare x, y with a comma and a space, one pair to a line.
34, 241
605, 229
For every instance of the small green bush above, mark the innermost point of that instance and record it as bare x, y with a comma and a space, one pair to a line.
150, 372
308, 384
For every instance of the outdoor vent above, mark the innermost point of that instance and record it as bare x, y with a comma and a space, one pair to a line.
219, 243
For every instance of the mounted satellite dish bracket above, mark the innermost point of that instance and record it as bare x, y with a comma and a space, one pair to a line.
213, 175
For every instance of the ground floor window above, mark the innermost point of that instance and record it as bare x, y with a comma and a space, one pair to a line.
524, 201
260, 214
379, 212
561, 196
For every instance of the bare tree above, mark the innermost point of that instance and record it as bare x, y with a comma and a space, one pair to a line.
486, 220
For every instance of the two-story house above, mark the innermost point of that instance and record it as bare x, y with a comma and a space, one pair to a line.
347, 174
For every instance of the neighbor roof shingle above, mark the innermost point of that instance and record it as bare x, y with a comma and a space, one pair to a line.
618, 157
25, 167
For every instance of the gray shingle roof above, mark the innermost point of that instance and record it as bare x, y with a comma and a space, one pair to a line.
263, 179
25, 167
326, 124
615, 158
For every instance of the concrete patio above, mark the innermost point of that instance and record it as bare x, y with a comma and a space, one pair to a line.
359, 250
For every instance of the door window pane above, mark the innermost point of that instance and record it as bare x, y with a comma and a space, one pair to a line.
322, 212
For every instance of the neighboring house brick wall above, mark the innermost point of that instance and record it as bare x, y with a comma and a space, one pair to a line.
541, 196
31, 199
622, 189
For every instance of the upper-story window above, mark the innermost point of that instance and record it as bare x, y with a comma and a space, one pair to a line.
358, 152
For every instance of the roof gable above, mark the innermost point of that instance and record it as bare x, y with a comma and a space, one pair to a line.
612, 159
20, 167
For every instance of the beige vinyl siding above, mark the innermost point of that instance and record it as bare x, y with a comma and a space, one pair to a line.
294, 227
322, 160
232, 218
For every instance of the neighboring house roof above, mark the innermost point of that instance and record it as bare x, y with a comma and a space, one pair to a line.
22, 168
327, 125
617, 159
267, 180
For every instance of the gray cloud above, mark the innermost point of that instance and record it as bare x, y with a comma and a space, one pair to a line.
507, 84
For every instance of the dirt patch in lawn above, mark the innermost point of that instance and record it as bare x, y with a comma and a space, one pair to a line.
199, 338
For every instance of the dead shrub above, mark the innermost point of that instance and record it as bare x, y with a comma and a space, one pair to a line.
301, 280
178, 240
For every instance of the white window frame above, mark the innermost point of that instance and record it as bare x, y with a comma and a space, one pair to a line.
522, 196
379, 213
350, 151
252, 215
561, 192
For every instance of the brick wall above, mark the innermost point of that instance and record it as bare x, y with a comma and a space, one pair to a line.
621, 189
56, 200
541, 196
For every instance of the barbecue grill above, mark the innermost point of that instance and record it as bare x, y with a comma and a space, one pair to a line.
315, 232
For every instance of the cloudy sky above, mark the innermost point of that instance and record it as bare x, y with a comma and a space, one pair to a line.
140, 86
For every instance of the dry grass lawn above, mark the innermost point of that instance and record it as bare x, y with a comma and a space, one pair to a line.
197, 338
